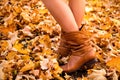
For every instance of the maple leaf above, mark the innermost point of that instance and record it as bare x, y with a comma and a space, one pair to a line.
2, 74
9, 20
5, 30
36, 72
26, 16
114, 63
45, 40
101, 19
27, 67
19, 47
13, 37
44, 64
27, 31
11, 55
3, 46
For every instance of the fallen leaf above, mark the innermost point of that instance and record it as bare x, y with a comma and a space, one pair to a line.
97, 75
11, 55
27, 31
27, 67
114, 63
26, 16
19, 47
43, 11
44, 64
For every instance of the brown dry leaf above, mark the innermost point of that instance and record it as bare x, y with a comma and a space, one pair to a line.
27, 31
36, 72
44, 64
37, 26
97, 75
12, 39
27, 67
114, 63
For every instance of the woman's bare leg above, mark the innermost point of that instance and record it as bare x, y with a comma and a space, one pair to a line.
70, 18
62, 13
78, 8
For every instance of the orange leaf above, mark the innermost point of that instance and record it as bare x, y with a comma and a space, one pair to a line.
28, 66
11, 55
5, 30
108, 35
3, 45
114, 63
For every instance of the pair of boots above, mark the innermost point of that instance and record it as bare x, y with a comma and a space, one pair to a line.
77, 45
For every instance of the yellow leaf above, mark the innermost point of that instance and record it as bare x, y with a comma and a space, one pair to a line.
27, 67
108, 35
45, 40
100, 57
19, 48
47, 29
105, 27
43, 11
114, 63
26, 16
47, 51
26, 57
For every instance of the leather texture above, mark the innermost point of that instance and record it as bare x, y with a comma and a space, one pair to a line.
77, 45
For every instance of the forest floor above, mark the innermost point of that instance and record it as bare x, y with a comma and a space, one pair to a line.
29, 38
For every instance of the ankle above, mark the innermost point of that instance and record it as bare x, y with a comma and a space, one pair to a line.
68, 31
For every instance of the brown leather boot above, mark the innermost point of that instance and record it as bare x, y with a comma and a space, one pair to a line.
78, 45
63, 49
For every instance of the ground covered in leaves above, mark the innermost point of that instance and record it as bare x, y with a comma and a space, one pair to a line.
29, 38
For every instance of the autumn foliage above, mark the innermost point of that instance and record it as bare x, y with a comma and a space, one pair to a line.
29, 38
